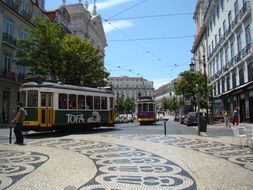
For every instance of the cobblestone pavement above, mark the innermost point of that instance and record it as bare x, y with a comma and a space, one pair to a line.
126, 162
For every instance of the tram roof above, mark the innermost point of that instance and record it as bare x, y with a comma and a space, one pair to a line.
64, 86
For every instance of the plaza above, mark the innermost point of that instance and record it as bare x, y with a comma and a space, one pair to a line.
128, 157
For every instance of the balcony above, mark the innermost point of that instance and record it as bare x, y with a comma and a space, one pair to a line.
247, 50
231, 28
26, 15
12, 4
7, 74
7, 38
11, 75
244, 9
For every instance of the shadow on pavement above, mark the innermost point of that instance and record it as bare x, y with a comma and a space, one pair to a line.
39, 135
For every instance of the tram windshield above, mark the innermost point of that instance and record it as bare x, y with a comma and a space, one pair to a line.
32, 98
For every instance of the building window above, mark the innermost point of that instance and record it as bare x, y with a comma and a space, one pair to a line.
222, 4
234, 80
23, 34
221, 59
229, 18
232, 50
219, 33
218, 88
239, 44
236, 8
224, 27
7, 62
241, 76
223, 85
247, 34
217, 11
9, 26
226, 55
228, 82
250, 71
24, 5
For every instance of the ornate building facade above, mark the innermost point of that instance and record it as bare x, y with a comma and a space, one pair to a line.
131, 87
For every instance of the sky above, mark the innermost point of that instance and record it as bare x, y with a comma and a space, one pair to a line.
146, 38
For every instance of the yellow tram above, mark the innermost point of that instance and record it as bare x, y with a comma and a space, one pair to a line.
57, 106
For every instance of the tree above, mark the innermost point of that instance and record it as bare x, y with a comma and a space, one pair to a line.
186, 86
129, 105
49, 51
124, 106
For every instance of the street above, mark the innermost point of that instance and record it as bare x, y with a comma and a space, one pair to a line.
128, 156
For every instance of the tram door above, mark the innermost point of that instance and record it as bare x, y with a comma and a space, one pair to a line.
46, 109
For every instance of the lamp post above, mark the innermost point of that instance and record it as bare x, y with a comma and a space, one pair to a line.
192, 65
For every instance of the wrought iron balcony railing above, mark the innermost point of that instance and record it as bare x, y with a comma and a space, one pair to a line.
9, 39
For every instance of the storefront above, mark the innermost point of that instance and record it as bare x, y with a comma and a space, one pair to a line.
241, 97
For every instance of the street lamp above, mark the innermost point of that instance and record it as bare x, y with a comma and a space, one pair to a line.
205, 80
192, 66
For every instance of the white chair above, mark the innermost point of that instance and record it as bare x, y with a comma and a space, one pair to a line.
239, 137
249, 136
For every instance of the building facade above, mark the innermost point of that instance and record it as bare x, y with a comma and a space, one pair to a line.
163, 93
15, 21
229, 54
87, 25
131, 87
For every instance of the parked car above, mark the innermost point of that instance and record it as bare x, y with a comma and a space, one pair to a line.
192, 118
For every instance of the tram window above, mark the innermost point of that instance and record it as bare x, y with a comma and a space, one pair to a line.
81, 102
62, 101
23, 97
89, 102
43, 99
145, 107
139, 107
32, 98
151, 107
72, 101
97, 102
111, 102
103, 103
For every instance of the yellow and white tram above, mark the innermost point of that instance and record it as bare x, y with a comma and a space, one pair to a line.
146, 110
57, 106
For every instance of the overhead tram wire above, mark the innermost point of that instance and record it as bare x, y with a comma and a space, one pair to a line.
140, 46
149, 16
135, 5
154, 38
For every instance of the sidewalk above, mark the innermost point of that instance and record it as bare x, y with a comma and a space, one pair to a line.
114, 161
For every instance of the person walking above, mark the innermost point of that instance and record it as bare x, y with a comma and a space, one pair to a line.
226, 120
236, 116
19, 119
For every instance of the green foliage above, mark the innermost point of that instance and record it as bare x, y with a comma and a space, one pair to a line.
125, 106
49, 51
187, 86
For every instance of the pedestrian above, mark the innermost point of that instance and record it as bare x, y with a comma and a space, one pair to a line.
19, 119
236, 116
226, 120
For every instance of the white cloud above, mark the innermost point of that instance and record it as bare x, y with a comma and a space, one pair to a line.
117, 24
110, 3
162, 81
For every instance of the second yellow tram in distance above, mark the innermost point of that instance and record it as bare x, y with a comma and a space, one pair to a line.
146, 110
56, 106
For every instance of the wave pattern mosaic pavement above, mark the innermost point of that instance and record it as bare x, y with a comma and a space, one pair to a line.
121, 167
233, 153
14, 165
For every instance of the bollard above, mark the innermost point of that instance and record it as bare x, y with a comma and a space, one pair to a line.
165, 132
10, 138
